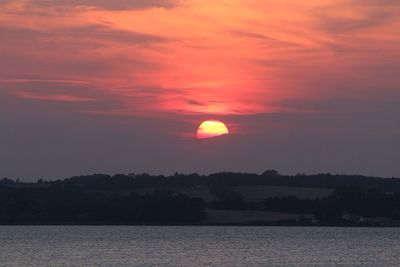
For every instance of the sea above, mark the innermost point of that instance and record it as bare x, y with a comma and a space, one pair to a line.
198, 246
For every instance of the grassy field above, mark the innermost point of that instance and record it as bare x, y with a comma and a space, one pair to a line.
251, 194
247, 216
257, 194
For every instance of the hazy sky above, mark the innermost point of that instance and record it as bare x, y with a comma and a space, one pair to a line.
90, 86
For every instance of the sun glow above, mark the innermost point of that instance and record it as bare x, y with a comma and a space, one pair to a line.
210, 129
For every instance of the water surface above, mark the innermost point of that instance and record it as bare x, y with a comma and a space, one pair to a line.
197, 246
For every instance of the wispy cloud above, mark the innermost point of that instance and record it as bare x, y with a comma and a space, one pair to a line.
198, 57
53, 97
345, 24
105, 4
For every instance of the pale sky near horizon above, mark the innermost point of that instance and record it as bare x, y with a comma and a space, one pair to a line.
95, 86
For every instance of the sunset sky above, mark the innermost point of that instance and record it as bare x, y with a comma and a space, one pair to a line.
90, 86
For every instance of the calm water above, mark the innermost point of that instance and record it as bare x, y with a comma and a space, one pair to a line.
197, 246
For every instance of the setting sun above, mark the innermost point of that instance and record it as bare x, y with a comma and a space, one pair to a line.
210, 129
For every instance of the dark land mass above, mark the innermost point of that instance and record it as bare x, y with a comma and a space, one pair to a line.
216, 199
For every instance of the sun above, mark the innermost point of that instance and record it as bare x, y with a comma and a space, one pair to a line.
211, 128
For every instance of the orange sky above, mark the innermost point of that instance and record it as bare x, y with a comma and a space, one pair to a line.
216, 57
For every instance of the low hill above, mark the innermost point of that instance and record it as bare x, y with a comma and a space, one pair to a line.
220, 198
223, 179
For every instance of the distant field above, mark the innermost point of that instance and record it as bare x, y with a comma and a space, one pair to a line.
252, 194
257, 194
200, 192
246, 216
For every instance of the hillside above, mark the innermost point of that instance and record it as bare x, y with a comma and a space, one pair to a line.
221, 198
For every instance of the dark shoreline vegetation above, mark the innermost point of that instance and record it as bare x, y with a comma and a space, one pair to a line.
216, 199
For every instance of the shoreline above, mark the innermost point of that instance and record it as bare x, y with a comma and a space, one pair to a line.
252, 224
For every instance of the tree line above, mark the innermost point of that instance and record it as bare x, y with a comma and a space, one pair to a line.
148, 199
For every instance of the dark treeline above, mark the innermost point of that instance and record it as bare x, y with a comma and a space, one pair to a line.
345, 204
224, 179
75, 206
147, 199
